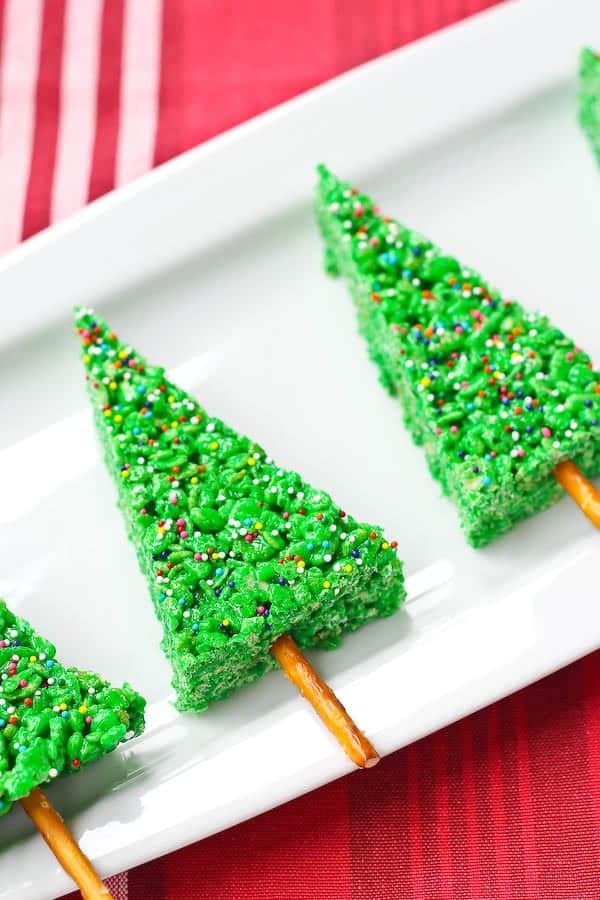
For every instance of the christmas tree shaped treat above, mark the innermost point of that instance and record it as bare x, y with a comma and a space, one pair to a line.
245, 562
504, 404
54, 721
589, 97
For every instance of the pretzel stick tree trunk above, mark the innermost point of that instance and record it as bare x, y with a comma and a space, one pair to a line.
582, 491
324, 702
64, 846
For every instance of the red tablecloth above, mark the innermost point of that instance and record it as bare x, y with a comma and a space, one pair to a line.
505, 804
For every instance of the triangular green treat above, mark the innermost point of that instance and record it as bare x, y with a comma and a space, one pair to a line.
53, 720
589, 97
496, 395
236, 551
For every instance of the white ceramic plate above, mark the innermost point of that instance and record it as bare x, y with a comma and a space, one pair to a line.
212, 264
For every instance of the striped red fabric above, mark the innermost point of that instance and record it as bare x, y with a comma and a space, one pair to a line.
506, 803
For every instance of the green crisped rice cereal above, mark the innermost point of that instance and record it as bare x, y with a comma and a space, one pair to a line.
497, 396
589, 97
236, 551
53, 720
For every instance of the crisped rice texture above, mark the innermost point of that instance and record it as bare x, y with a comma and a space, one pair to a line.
497, 396
53, 720
589, 98
236, 550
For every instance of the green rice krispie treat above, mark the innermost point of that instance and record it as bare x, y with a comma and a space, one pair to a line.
497, 396
589, 97
53, 720
236, 551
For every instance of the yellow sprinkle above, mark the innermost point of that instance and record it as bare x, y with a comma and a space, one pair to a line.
347, 567
108, 412
113, 385
62, 706
33, 659
326, 585
194, 480
258, 525
214, 445
225, 622
87, 358
83, 710
122, 354
426, 381
174, 424
171, 399
118, 417
251, 461
160, 530
125, 473
385, 545
214, 556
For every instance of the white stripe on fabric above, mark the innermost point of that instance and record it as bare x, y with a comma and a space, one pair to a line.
78, 103
140, 83
18, 84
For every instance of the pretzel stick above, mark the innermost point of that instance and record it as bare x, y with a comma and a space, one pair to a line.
324, 702
583, 492
64, 846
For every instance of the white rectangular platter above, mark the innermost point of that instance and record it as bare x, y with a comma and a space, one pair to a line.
212, 264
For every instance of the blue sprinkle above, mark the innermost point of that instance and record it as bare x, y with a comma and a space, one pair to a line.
64, 714
416, 251
475, 469
2, 723
529, 429
231, 584
487, 480
282, 581
218, 592
140, 388
324, 543
470, 405
136, 430
148, 415
195, 627
50, 663
310, 546
247, 521
219, 571
355, 553
587, 403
